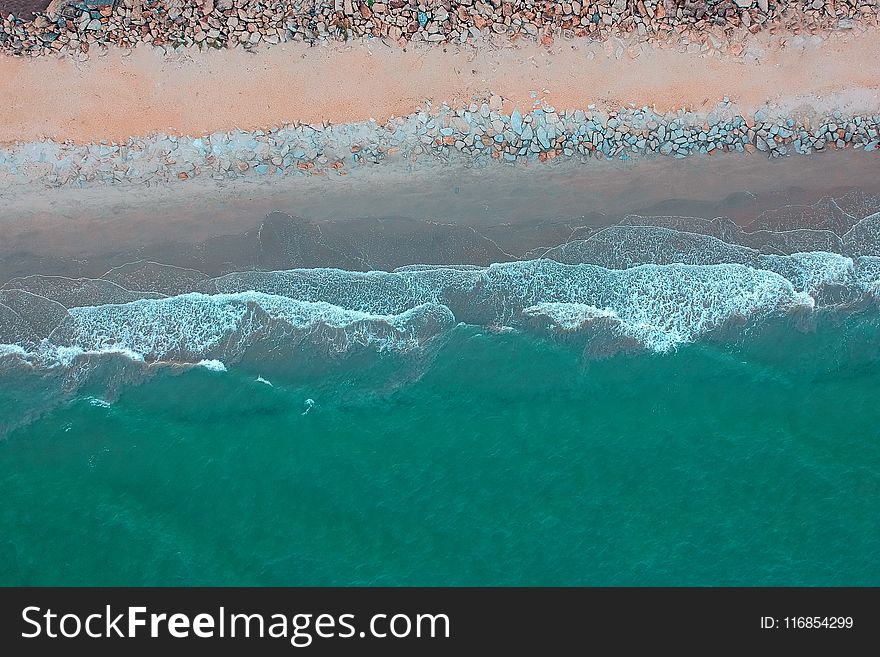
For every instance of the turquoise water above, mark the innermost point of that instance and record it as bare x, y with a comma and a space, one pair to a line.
499, 458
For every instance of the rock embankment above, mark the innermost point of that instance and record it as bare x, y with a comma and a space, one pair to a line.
479, 134
700, 25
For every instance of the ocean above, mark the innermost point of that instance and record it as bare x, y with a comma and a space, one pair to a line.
510, 461
662, 401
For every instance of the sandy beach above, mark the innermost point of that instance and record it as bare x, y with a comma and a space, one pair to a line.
780, 90
194, 93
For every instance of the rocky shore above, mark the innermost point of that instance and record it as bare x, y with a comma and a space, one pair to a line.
699, 26
476, 135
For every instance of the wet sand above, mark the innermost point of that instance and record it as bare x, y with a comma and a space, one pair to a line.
22, 8
434, 214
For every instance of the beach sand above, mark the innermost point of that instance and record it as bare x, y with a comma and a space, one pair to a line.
119, 95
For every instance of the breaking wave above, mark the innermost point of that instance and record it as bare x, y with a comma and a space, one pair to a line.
648, 283
334, 312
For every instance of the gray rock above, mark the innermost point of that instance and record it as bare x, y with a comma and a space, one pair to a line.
461, 125
543, 138
516, 122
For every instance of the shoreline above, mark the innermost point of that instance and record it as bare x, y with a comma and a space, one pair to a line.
84, 231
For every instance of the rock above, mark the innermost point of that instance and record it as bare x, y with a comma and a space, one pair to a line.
543, 137
516, 123
461, 125
495, 103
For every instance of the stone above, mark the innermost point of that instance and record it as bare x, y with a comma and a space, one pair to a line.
461, 125
543, 137
516, 123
